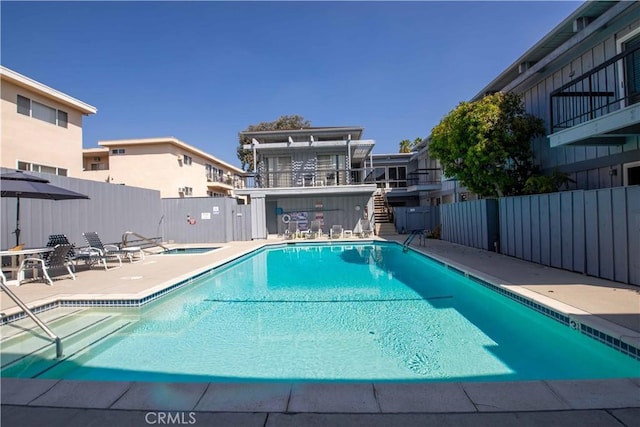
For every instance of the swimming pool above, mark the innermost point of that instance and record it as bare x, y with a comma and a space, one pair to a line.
343, 312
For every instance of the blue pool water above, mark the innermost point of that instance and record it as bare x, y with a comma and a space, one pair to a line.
342, 312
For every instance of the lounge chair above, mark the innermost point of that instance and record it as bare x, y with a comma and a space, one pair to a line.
291, 231
336, 232
98, 252
314, 230
61, 239
366, 230
56, 261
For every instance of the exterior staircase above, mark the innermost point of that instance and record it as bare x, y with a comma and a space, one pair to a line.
383, 216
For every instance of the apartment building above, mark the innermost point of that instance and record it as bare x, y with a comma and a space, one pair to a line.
583, 80
41, 126
166, 164
318, 173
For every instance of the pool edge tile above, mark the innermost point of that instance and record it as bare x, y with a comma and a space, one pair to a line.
598, 394
82, 394
245, 397
333, 397
513, 396
161, 395
429, 397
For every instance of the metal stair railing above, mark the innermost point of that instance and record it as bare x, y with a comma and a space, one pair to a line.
35, 318
141, 237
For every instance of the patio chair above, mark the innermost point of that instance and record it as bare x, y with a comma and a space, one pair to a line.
336, 232
61, 239
366, 230
56, 262
98, 252
314, 230
291, 231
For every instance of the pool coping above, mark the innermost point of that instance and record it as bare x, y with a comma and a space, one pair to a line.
334, 398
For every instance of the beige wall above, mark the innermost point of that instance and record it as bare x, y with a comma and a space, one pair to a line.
32, 140
155, 166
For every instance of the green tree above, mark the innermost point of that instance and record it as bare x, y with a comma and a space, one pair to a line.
282, 123
547, 183
486, 144
406, 146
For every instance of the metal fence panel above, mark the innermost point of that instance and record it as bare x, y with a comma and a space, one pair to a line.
620, 235
596, 232
471, 223
555, 236
566, 230
605, 233
110, 211
633, 221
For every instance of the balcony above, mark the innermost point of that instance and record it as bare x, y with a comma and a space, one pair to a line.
311, 181
224, 181
600, 107
418, 180
310, 178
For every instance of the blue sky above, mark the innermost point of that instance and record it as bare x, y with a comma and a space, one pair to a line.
203, 71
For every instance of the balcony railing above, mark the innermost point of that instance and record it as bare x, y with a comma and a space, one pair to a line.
310, 178
428, 176
597, 92
233, 181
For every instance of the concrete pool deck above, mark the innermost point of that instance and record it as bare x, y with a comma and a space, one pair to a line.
614, 402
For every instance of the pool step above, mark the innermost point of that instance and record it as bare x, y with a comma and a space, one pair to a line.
29, 354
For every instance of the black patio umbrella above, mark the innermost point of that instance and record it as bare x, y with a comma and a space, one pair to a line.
21, 185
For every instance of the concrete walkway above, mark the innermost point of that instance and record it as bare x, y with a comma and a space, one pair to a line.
613, 402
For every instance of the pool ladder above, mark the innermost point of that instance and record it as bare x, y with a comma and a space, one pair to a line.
409, 239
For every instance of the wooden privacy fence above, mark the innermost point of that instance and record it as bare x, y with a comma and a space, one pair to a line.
594, 232
472, 223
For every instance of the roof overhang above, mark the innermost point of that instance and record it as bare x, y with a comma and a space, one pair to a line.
44, 90
555, 44
305, 134
172, 141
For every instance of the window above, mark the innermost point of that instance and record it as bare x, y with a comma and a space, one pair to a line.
391, 176
62, 119
24, 105
187, 160
34, 167
42, 112
632, 70
279, 172
332, 168
117, 151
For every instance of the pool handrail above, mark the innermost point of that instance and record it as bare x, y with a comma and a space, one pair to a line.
408, 240
141, 237
35, 318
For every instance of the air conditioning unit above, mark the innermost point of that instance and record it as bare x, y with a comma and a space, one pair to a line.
181, 190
